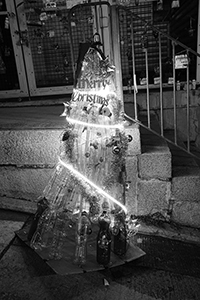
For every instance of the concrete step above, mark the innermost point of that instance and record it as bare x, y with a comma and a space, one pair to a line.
185, 184
155, 159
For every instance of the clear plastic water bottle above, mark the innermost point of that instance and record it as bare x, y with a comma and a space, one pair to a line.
42, 204
43, 235
95, 210
193, 84
61, 229
83, 228
129, 86
178, 85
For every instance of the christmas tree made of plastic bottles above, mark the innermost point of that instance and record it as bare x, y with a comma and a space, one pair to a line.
87, 187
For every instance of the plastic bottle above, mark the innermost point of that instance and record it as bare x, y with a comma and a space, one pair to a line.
7, 23
83, 228
95, 210
104, 240
178, 85
60, 231
41, 206
120, 235
194, 84
43, 235
129, 86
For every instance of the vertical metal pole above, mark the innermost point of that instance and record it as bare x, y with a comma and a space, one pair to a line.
23, 58
82, 31
101, 26
188, 105
174, 93
147, 78
117, 55
198, 47
96, 18
71, 44
134, 75
110, 35
161, 88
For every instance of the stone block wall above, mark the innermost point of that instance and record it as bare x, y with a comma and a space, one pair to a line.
27, 159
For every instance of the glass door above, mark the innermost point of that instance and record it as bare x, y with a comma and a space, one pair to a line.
54, 33
13, 81
39, 44
48, 57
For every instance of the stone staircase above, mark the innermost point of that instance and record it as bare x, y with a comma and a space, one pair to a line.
162, 179
185, 185
182, 202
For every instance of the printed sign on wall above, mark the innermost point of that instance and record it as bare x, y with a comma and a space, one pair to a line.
181, 61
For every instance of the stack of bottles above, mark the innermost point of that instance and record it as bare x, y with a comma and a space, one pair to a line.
51, 225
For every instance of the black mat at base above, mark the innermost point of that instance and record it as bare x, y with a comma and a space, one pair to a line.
160, 253
65, 266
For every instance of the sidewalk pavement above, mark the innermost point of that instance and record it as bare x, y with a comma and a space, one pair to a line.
169, 270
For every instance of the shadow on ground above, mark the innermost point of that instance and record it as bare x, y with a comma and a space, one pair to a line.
169, 270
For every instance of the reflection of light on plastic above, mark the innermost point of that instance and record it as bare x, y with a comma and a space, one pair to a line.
119, 126
102, 192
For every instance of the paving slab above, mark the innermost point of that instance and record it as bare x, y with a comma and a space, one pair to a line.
34, 117
22, 278
7, 232
169, 270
